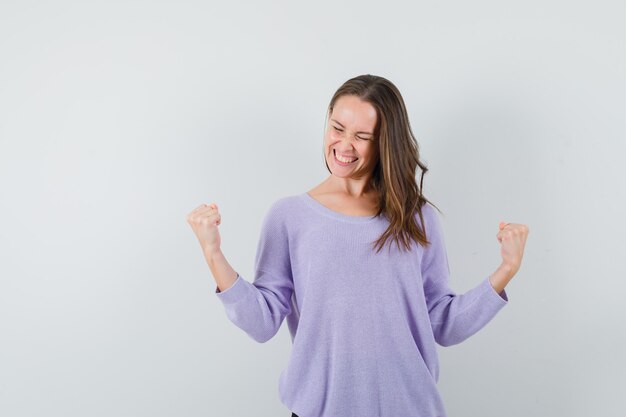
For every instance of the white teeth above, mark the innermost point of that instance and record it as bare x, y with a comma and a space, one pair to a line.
344, 160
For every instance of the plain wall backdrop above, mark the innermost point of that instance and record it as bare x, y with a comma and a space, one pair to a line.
119, 118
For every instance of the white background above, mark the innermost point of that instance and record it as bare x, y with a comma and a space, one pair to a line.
118, 118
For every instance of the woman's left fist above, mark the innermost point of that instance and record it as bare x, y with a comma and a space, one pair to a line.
512, 238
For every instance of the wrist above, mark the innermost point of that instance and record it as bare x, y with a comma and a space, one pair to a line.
507, 269
212, 255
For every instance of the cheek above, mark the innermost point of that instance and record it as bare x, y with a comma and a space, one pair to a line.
365, 150
329, 140
327, 145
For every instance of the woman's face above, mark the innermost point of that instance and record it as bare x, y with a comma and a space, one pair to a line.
350, 137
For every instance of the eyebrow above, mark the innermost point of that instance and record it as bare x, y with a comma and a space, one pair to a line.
367, 133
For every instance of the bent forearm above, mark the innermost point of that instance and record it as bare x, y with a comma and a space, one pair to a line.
501, 277
223, 273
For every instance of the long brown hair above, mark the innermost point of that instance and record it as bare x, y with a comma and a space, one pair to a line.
393, 178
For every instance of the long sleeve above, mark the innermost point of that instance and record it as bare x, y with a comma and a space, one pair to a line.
258, 308
454, 317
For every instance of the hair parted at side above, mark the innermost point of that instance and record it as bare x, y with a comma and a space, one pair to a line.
394, 176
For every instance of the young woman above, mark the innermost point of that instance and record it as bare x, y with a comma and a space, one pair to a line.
358, 267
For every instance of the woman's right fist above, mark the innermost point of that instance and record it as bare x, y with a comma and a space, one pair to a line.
204, 220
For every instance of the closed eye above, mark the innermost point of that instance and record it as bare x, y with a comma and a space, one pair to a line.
341, 130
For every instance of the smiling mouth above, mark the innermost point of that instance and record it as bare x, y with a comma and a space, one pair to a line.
343, 162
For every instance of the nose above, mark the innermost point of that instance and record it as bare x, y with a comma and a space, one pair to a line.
346, 141
345, 148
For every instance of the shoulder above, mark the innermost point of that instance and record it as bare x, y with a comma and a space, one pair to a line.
283, 209
284, 205
432, 225
429, 214
280, 219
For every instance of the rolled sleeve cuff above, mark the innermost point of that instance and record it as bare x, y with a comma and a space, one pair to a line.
499, 299
236, 292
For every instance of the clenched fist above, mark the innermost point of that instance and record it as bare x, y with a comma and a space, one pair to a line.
204, 220
512, 238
